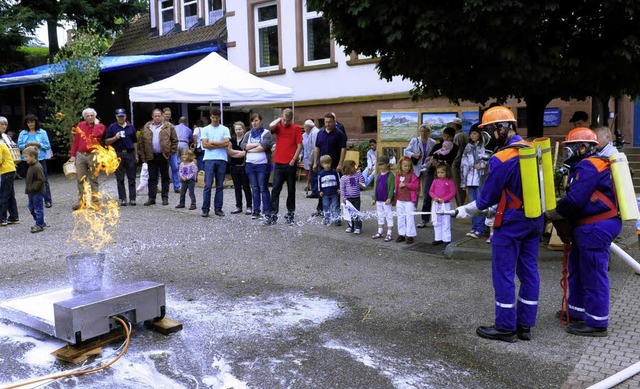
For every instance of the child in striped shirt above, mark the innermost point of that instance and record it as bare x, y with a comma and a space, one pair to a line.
350, 191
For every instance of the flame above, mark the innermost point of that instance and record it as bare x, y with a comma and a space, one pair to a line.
106, 159
96, 220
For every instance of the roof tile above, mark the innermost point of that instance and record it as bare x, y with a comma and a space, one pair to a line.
138, 38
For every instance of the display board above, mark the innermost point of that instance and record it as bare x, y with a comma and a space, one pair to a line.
397, 127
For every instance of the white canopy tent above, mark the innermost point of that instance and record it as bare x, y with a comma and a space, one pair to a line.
212, 79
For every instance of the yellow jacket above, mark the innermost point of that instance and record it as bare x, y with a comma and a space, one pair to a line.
6, 160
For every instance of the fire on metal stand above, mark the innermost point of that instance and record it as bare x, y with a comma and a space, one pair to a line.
86, 311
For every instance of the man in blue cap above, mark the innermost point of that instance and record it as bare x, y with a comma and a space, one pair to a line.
121, 135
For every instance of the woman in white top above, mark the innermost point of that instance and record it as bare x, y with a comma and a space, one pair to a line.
419, 150
258, 144
197, 142
472, 175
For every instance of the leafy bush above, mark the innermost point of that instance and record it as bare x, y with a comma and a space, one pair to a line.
76, 71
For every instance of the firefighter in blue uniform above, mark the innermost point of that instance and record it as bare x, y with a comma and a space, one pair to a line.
516, 239
590, 206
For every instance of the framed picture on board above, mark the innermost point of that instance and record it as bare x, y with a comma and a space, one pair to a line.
438, 121
393, 153
469, 118
398, 126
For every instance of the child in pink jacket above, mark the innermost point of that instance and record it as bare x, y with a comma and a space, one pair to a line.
406, 196
442, 191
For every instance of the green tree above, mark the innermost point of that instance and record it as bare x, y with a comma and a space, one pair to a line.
105, 17
15, 26
478, 50
74, 83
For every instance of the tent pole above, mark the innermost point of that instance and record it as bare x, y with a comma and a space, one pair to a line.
221, 113
131, 111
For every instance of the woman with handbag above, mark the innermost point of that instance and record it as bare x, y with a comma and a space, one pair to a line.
37, 137
419, 150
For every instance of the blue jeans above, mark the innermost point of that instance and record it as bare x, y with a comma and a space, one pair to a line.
36, 207
477, 222
331, 208
190, 186
173, 163
313, 181
259, 178
426, 201
213, 169
368, 178
47, 193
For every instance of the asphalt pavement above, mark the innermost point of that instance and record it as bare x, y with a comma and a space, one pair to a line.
305, 305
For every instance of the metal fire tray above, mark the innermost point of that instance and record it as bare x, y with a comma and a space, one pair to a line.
77, 318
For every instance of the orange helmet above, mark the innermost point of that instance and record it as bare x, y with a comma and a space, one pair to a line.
581, 135
496, 115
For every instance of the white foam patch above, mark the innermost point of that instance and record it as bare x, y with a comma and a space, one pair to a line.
251, 316
40, 353
224, 379
138, 370
401, 371
246, 317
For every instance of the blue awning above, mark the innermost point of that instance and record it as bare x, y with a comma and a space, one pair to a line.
108, 64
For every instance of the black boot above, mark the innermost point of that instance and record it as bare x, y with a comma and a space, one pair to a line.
494, 333
524, 333
582, 329
563, 315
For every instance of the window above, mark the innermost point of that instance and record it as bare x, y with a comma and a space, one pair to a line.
190, 13
166, 16
266, 37
317, 37
214, 11
370, 123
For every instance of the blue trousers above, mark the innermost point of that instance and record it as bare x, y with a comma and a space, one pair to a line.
331, 207
477, 222
173, 163
515, 252
36, 207
313, 181
259, 179
47, 188
190, 186
213, 169
588, 274
426, 201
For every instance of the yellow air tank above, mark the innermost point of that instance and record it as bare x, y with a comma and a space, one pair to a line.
624, 187
530, 184
543, 149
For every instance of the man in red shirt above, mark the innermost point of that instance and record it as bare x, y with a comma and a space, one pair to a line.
285, 159
87, 135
